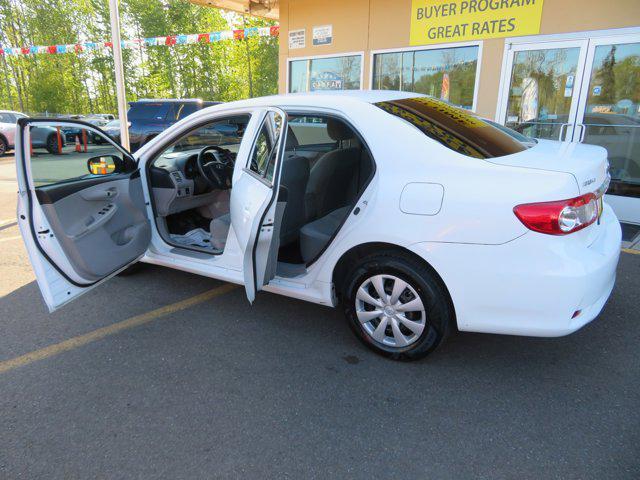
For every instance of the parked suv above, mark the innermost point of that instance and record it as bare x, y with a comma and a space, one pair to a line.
147, 118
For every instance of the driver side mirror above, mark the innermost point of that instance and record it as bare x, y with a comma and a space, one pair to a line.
103, 164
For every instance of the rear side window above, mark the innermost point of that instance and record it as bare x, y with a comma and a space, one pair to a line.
187, 109
148, 111
454, 127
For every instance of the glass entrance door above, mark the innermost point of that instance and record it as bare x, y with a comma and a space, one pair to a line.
609, 116
542, 97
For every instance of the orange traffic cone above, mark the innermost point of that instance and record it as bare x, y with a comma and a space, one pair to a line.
78, 147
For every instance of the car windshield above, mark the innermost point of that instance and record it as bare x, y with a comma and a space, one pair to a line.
453, 127
227, 133
148, 111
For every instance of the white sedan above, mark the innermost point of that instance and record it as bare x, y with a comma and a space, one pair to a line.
415, 216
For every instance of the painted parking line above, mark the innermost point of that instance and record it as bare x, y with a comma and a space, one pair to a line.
7, 221
4, 226
629, 250
6, 239
100, 333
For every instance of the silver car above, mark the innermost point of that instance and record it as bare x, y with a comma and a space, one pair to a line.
41, 137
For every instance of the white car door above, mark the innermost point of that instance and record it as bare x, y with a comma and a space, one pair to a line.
82, 213
256, 210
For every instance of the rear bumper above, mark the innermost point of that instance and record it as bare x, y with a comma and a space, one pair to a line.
532, 285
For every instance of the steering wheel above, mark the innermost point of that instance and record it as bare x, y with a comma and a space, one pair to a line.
215, 165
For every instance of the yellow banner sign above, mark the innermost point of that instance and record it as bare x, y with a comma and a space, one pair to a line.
441, 21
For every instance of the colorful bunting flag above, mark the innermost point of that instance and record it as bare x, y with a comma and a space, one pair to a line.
169, 40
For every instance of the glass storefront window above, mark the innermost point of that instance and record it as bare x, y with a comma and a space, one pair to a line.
334, 73
445, 73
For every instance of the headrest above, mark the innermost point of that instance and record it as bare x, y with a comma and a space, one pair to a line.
338, 130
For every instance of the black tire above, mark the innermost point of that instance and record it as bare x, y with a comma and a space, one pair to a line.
52, 144
4, 146
131, 270
438, 319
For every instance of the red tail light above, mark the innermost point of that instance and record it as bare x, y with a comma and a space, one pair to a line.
560, 217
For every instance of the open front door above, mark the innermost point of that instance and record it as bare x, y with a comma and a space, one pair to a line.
81, 206
256, 210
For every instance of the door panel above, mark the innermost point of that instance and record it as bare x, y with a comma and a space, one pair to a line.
100, 226
255, 215
79, 227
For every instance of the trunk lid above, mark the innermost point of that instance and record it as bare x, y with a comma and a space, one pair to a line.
586, 163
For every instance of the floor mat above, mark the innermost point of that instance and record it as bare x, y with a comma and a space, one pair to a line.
194, 238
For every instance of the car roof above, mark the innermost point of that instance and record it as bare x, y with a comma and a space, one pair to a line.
322, 98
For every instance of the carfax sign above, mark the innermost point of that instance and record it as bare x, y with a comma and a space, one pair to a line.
440, 21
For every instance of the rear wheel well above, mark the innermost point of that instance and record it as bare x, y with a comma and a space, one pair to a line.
353, 256
4, 140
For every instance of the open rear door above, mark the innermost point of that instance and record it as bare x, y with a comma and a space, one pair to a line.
256, 210
81, 207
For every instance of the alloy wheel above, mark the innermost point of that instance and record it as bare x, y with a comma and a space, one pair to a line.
390, 311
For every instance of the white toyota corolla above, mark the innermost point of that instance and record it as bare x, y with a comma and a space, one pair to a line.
417, 217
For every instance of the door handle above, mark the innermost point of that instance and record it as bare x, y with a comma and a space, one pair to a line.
562, 128
583, 131
96, 195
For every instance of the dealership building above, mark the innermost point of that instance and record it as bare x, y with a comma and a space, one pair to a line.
559, 69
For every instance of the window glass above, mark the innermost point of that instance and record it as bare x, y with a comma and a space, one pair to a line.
454, 128
6, 117
187, 109
540, 91
309, 130
55, 160
612, 113
227, 133
445, 73
335, 73
148, 111
298, 77
265, 150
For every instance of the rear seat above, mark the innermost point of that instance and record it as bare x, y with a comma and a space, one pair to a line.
315, 236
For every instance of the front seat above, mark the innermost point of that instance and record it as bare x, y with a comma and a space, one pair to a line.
293, 179
333, 181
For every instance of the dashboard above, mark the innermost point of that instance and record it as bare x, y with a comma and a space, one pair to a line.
177, 183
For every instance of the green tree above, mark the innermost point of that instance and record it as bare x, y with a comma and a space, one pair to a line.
84, 83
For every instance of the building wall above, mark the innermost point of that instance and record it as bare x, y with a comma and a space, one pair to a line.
366, 25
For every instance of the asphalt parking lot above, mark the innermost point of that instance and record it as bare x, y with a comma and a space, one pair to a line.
170, 375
